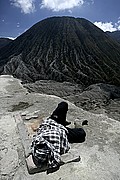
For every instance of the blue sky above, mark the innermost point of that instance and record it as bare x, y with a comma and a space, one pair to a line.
16, 16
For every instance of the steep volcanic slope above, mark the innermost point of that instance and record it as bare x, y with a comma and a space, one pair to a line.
4, 42
115, 35
63, 49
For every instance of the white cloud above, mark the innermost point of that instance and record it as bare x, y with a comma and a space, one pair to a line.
27, 6
26, 29
118, 24
118, 27
11, 38
70, 11
18, 25
108, 26
89, 2
59, 5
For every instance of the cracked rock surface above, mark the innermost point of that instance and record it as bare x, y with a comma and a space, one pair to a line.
100, 153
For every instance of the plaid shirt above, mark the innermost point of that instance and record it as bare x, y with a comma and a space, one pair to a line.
50, 142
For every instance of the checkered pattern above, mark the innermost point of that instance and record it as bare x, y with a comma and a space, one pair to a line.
50, 142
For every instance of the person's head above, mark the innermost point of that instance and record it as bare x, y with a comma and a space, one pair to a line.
59, 114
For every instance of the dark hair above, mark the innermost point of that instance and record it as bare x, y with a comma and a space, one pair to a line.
59, 114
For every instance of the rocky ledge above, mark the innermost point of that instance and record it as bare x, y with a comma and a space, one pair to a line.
100, 153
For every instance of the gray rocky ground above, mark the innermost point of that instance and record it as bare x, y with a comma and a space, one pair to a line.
100, 153
96, 98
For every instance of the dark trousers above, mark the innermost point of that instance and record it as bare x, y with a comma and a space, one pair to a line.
76, 135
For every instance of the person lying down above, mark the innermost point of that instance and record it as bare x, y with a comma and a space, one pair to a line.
53, 138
